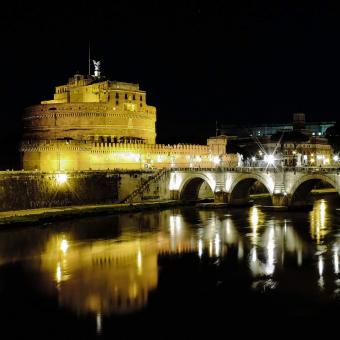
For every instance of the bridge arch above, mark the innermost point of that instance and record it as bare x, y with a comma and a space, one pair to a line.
300, 191
191, 186
239, 189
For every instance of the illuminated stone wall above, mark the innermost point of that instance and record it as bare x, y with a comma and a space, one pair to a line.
72, 155
28, 190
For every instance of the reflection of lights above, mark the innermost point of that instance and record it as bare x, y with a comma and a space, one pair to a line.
254, 254
319, 221
200, 248
320, 265
58, 273
217, 244
336, 259
99, 323
139, 261
322, 213
299, 257
255, 217
210, 248
254, 223
61, 178
270, 252
64, 246
175, 224
321, 281
240, 251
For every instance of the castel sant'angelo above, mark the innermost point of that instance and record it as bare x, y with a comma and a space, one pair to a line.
93, 123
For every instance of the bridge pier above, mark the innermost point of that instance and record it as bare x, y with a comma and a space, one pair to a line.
280, 199
221, 197
174, 194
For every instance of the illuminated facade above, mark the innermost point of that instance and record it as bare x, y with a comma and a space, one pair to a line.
94, 123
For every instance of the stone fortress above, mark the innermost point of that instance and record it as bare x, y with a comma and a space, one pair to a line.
93, 123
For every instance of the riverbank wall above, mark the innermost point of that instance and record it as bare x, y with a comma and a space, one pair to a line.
32, 190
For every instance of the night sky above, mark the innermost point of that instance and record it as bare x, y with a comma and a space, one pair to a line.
199, 61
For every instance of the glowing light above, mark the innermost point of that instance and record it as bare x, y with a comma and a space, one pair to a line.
335, 158
216, 160
64, 246
61, 178
270, 159
253, 159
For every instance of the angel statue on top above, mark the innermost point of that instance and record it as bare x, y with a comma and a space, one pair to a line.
96, 68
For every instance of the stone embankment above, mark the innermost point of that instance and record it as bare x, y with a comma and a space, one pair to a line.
48, 215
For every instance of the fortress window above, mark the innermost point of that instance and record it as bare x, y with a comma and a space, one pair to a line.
141, 104
117, 95
141, 98
126, 97
117, 102
134, 97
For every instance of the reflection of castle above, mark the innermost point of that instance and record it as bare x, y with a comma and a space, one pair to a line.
94, 123
103, 277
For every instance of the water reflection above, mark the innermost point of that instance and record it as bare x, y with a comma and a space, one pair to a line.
102, 277
319, 221
110, 266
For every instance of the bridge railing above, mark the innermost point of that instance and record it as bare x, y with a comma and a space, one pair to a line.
243, 169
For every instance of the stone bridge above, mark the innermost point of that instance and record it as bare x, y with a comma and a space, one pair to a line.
287, 186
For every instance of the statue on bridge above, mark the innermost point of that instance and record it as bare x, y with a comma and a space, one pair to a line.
239, 160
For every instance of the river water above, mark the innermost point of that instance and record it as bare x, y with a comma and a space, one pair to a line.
183, 270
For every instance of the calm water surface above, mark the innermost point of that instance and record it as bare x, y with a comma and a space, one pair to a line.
168, 274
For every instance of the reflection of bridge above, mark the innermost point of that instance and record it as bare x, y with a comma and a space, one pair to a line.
287, 185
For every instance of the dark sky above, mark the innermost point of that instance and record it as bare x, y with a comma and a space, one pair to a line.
199, 61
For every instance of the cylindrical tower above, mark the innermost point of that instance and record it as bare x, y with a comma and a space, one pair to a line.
90, 109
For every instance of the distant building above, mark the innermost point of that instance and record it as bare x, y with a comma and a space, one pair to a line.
235, 131
298, 146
